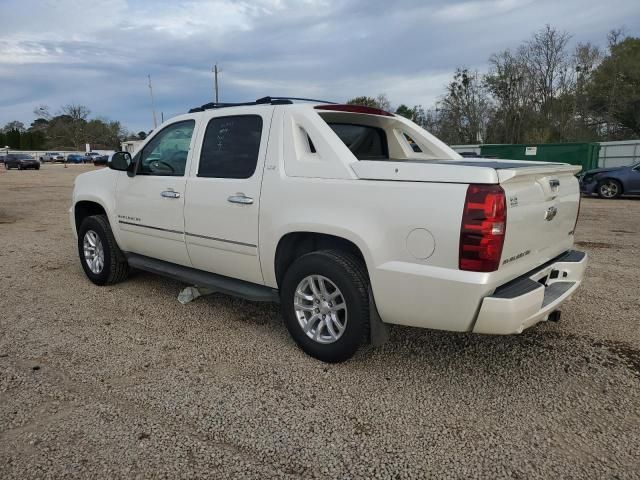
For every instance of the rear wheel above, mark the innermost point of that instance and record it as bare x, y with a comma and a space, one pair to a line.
609, 188
325, 303
102, 260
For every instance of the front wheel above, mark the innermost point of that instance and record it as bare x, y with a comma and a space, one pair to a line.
102, 260
325, 304
609, 188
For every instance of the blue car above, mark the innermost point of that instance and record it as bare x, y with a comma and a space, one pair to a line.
74, 158
611, 182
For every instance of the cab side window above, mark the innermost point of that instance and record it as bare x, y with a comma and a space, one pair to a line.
231, 146
166, 153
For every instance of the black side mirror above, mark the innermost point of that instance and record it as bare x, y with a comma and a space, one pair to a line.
120, 161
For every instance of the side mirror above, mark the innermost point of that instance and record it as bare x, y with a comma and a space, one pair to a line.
120, 161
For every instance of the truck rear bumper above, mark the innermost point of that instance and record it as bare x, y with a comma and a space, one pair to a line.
530, 299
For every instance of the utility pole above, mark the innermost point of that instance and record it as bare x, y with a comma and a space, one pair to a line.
153, 106
215, 81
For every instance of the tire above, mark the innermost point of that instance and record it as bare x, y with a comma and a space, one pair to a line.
114, 264
609, 188
6, 167
348, 274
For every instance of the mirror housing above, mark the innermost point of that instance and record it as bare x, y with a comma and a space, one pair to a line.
120, 161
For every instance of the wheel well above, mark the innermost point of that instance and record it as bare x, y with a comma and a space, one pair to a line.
294, 245
85, 209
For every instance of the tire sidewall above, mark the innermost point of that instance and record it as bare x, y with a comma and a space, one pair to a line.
351, 339
101, 278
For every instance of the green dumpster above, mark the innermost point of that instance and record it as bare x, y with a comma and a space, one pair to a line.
584, 154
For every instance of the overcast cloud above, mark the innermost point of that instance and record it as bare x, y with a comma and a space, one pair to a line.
98, 53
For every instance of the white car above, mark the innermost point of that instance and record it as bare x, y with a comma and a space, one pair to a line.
351, 217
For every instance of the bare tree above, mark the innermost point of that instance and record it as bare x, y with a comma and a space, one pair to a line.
512, 90
76, 112
548, 64
465, 109
42, 111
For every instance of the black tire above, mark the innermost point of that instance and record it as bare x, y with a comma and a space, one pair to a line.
609, 188
349, 274
116, 268
6, 166
38, 167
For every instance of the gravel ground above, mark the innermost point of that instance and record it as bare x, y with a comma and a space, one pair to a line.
123, 381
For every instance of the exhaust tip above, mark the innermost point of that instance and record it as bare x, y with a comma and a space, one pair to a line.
554, 316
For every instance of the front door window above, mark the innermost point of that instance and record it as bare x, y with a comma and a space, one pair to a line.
166, 153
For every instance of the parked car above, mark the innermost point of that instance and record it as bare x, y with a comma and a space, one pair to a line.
76, 158
21, 161
96, 158
611, 182
52, 157
329, 210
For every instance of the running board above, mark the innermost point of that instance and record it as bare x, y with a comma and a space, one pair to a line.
193, 276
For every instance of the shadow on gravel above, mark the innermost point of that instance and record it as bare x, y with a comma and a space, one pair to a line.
540, 346
439, 349
5, 218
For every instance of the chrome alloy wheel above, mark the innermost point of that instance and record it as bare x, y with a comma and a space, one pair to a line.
609, 189
93, 251
320, 308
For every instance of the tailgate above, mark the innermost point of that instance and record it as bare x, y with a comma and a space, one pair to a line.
542, 207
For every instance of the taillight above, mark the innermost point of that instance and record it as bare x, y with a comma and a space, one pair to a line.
484, 223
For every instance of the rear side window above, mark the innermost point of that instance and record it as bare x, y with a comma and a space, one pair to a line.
230, 148
365, 142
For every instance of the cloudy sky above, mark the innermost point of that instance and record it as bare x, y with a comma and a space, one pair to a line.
99, 52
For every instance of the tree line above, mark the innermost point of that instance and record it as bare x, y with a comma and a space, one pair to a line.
540, 92
69, 129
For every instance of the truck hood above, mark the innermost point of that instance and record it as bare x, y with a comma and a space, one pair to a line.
468, 170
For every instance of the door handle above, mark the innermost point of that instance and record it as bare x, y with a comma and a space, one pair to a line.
170, 194
240, 198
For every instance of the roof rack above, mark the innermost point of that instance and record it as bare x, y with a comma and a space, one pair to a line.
260, 101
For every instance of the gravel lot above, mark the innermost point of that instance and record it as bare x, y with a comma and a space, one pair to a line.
123, 381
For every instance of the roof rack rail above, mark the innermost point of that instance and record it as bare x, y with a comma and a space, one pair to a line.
260, 101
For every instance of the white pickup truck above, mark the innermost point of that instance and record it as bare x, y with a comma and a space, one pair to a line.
351, 217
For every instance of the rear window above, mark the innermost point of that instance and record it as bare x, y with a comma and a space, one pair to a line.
365, 142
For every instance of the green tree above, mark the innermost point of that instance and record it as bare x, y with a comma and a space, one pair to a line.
614, 90
381, 102
405, 111
12, 138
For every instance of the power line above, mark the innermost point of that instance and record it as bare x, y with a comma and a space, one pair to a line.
215, 70
153, 106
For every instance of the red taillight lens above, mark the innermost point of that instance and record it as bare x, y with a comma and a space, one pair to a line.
484, 222
354, 109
